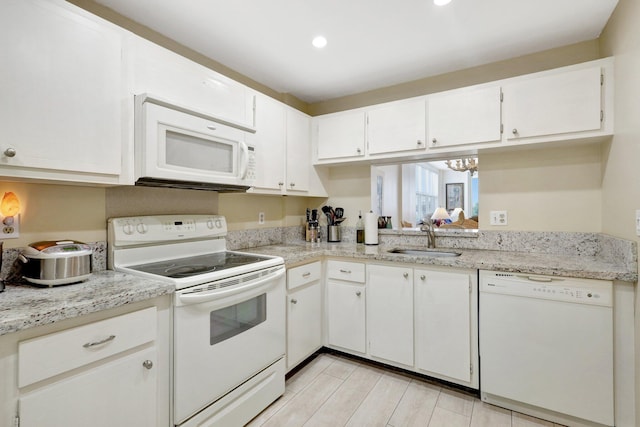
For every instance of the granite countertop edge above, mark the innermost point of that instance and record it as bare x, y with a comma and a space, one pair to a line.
25, 306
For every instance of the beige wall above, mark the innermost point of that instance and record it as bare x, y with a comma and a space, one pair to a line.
621, 185
551, 189
55, 212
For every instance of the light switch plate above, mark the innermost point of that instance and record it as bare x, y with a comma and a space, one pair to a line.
498, 217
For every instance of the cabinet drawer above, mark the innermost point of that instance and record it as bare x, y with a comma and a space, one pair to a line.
344, 270
303, 274
49, 355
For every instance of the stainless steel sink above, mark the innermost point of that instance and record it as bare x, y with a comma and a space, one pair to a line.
424, 252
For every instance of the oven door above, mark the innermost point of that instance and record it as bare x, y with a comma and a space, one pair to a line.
224, 337
174, 145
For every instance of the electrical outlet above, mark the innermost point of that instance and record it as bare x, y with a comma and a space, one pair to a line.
261, 218
498, 217
10, 227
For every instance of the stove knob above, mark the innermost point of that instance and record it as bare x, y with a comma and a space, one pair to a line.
127, 229
210, 223
141, 228
218, 223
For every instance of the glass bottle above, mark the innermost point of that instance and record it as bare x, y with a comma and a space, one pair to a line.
360, 229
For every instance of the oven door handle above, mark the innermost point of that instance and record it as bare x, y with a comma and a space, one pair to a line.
200, 297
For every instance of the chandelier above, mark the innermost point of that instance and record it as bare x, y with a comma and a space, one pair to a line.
463, 165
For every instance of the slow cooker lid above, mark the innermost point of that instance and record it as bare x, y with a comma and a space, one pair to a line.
58, 247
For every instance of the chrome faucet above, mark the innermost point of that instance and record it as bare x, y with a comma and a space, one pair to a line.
431, 235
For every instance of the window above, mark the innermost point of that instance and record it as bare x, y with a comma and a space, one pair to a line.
426, 190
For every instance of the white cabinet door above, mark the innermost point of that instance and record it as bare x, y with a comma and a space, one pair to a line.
298, 156
304, 323
398, 126
341, 135
390, 313
269, 141
465, 116
443, 324
553, 104
119, 393
346, 316
62, 90
178, 80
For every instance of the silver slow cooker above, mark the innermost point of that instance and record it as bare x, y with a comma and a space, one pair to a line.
52, 263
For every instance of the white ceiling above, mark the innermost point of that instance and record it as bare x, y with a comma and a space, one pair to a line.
371, 43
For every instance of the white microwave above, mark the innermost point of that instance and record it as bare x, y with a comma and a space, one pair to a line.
176, 147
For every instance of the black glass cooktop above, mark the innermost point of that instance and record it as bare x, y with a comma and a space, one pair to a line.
201, 264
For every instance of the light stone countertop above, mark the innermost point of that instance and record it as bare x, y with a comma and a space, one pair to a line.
588, 267
26, 306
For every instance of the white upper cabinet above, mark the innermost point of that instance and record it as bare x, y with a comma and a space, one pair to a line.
340, 135
269, 142
466, 116
298, 151
173, 78
62, 108
397, 126
554, 104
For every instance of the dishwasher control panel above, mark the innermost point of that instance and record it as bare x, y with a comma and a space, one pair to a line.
581, 291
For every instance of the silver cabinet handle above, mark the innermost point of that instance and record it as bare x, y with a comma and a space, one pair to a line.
307, 274
405, 275
211, 127
96, 343
422, 277
434, 141
147, 364
358, 293
514, 131
294, 301
345, 271
10, 152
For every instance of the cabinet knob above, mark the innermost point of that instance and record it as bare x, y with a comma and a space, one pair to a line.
280, 183
10, 152
419, 142
514, 131
358, 293
405, 275
293, 184
422, 277
294, 301
358, 150
434, 141
147, 364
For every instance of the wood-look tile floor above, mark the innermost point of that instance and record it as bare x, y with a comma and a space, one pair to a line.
335, 391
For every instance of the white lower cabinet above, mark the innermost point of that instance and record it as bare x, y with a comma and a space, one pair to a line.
304, 312
110, 372
446, 324
346, 305
420, 319
117, 393
390, 313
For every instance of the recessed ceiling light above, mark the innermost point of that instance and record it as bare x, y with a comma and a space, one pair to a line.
319, 42
441, 2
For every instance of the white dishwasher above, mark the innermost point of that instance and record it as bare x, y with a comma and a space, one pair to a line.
546, 346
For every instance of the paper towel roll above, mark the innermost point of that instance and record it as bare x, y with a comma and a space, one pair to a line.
370, 228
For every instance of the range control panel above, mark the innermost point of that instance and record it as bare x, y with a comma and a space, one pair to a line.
138, 230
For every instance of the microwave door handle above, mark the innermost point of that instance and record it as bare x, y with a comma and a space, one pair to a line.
244, 160
200, 297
